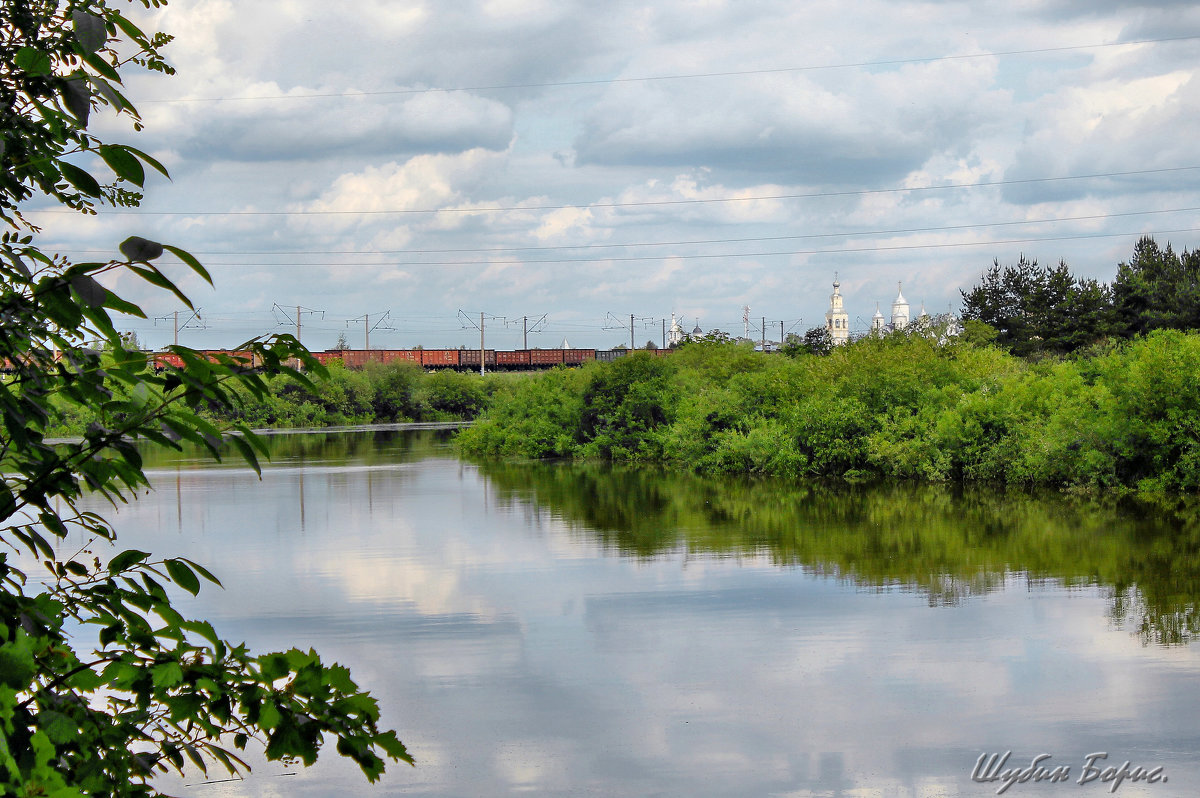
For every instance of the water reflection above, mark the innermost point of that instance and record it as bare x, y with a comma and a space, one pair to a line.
946, 543
565, 631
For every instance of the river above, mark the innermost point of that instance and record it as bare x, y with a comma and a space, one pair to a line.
566, 630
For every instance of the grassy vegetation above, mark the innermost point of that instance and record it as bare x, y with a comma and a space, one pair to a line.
379, 394
1122, 415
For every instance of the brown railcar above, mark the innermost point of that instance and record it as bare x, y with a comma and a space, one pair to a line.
397, 355
470, 357
440, 358
518, 358
545, 357
577, 357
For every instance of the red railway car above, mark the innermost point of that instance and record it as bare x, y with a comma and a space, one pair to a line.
577, 357
515, 359
470, 357
442, 358
165, 360
328, 356
545, 357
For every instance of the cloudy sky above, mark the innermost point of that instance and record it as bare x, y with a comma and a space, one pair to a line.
577, 163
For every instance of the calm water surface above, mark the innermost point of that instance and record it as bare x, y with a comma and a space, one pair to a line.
569, 631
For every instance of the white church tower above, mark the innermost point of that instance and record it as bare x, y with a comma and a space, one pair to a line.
877, 323
837, 321
900, 311
675, 333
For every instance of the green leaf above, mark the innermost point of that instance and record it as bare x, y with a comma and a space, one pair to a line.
147, 159
33, 61
204, 572
269, 716
125, 560
114, 302
273, 666
136, 248
80, 179
131, 30
123, 162
247, 452
141, 396
57, 726
168, 674
155, 277
104, 68
78, 98
90, 292
190, 260
89, 30
17, 666
183, 576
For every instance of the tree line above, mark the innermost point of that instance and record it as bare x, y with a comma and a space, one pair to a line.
1033, 309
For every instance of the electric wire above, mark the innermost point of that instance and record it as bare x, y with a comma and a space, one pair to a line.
648, 203
680, 76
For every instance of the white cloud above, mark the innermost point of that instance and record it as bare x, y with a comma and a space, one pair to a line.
892, 96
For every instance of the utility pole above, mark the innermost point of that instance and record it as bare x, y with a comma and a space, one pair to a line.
300, 311
174, 316
780, 333
368, 327
632, 346
764, 333
664, 343
481, 350
526, 327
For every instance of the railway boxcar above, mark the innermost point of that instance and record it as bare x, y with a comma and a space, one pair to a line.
356, 358
328, 356
442, 358
404, 355
165, 360
545, 357
577, 357
470, 357
609, 355
516, 359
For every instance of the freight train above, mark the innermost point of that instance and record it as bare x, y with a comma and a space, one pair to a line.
469, 359
463, 359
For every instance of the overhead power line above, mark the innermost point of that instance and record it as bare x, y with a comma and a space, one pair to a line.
679, 76
651, 203
731, 255
684, 242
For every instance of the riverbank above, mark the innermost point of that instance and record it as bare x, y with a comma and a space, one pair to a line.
380, 394
1123, 416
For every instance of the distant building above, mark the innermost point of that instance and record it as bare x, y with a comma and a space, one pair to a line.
837, 321
878, 327
899, 310
675, 333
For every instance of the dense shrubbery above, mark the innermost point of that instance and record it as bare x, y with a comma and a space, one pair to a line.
379, 394
904, 407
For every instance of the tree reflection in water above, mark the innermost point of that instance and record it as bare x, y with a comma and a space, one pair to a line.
949, 543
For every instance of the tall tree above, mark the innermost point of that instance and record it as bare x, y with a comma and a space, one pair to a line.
103, 681
1040, 309
1158, 288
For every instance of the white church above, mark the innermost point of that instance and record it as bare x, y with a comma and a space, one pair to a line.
837, 320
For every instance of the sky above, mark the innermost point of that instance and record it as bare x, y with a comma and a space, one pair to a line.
403, 167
